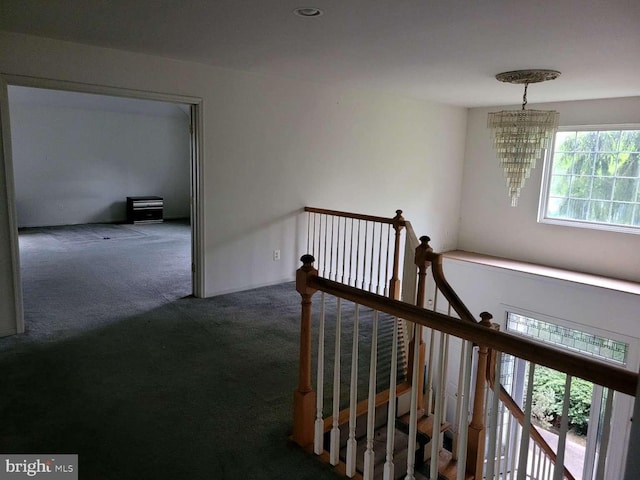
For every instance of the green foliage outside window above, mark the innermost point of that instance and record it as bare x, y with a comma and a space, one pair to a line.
595, 177
548, 396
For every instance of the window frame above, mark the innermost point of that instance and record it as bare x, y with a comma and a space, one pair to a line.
546, 183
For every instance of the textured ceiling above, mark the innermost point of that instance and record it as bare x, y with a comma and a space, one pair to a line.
446, 51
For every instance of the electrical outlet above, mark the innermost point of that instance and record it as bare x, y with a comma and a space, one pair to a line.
276, 255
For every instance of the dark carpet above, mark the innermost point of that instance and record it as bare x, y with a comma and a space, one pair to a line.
122, 367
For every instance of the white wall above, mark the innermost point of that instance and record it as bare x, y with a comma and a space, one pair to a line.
490, 225
75, 164
596, 310
272, 146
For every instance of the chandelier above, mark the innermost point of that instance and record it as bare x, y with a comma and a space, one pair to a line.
520, 137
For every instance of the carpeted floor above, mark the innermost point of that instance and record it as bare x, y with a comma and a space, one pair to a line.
121, 366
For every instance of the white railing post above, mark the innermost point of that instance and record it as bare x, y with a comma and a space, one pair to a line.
334, 452
352, 444
391, 409
369, 456
524, 441
318, 444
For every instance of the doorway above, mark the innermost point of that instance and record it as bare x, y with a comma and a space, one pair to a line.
188, 107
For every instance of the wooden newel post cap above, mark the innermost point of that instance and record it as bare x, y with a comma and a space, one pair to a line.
398, 220
423, 252
307, 260
303, 272
485, 319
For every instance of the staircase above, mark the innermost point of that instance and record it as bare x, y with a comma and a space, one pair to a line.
417, 349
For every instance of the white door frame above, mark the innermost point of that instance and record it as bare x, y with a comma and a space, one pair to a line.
197, 217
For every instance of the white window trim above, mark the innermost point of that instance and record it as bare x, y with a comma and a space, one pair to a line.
546, 182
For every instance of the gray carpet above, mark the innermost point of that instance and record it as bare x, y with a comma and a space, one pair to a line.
121, 366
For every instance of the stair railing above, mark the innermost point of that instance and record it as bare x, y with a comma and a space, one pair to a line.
440, 326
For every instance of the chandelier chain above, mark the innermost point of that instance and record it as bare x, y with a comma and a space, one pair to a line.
524, 97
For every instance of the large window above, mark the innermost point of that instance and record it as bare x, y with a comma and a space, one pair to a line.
592, 179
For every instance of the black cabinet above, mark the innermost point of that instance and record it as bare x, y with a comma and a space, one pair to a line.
145, 209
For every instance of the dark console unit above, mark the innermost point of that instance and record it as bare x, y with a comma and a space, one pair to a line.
144, 209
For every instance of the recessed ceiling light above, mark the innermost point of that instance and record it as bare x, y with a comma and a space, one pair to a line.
308, 12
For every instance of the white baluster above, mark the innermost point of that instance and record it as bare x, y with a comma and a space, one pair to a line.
459, 396
357, 272
373, 251
463, 426
526, 428
344, 250
309, 232
606, 431
493, 422
351, 254
379, 265
413, 410
331, 242
334, 452
500, 437
507, 445
369, 455
352, 444
440, 398
324, 256
364, 256
318, 444
558, 471
386, 263
391, 409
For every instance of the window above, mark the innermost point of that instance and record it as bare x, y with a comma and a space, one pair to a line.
568, 338
592, 179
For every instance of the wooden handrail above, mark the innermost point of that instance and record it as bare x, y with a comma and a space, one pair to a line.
589, 369
356, 216
518, 414
443, 285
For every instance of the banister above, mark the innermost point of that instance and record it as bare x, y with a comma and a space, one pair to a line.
356, 216
518, 414
589, 369
443, 285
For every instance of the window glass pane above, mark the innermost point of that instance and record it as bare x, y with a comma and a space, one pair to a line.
557, 207
602, 188
569, 338
622, 213
608, 141
599, 211
629, 141
560, 185
636, 216
586, 141
629, 164
625, 189
581, 187
577, 209
562, 163
565, 142
583, 164
605, 164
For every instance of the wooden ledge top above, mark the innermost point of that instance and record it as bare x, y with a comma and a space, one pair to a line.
623, 286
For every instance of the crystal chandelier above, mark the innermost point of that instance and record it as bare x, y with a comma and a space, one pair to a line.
520, 137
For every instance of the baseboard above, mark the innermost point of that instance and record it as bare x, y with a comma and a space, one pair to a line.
290, 278
8, 332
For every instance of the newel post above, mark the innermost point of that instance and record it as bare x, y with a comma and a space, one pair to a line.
477, 428
422, 261
304, 398
394, 283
